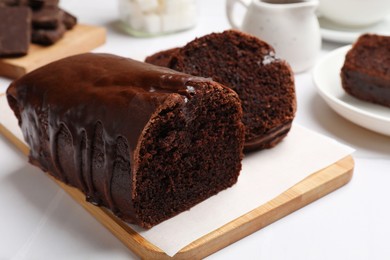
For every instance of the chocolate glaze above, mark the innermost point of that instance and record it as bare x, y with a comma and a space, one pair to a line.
62, 111
270, 140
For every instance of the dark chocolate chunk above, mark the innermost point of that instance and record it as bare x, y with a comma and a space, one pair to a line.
69, 20
47, 37
34, 4
38, 4
14, 31
47, 18
13, 2
9, 3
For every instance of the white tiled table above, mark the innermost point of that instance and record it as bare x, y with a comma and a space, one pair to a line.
350, 223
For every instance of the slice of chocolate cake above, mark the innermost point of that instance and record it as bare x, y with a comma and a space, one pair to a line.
69, 20
14, 2
47, 18
264, 83
38, 4
366, 70
47, 37
144, 141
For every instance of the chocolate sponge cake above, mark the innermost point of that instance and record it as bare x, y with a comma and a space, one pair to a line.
366, 70
264, 83
144, 141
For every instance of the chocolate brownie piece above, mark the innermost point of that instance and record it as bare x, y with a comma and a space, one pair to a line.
145, 141
7, 3
47, 37
69, 20
47, 18
13, 2
20, 2
14, 31
366, 70
38, 4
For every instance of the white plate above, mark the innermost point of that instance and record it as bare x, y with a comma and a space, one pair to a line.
338, 33
326, 75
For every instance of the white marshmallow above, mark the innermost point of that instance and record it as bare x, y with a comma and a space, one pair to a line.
147, 6
180, 20
152, 23
175, 6
124, 8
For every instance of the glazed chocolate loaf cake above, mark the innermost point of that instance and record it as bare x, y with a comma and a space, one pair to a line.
264, 83
366, 70
144, 141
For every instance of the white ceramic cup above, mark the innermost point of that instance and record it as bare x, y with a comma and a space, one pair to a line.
354, 13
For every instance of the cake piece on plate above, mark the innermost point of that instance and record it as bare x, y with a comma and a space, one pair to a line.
366, 70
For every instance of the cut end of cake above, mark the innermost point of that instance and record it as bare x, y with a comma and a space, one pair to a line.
191, 151
244, 63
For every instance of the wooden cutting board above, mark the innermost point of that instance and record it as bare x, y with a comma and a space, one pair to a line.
82, 38
310, 189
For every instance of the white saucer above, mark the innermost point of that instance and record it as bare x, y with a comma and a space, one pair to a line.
337, 33
326, 75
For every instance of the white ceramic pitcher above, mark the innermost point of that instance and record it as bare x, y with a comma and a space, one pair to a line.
291, 27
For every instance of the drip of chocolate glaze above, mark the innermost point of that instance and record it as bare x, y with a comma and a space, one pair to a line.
54, 153
87, 159
78, 158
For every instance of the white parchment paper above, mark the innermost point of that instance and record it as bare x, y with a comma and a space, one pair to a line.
265, 175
